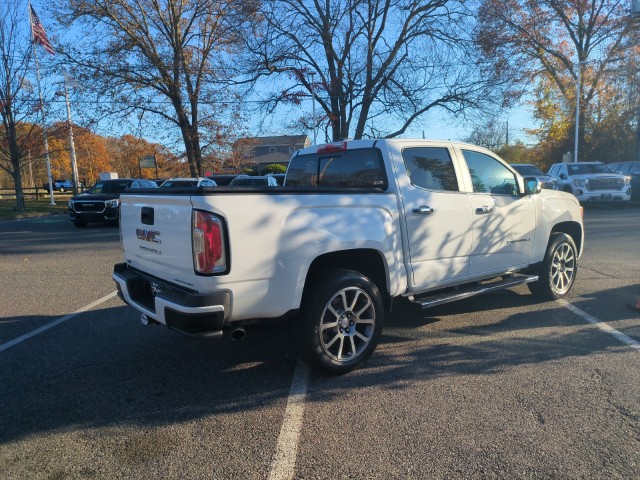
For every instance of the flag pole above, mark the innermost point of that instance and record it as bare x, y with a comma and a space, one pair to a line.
44, 126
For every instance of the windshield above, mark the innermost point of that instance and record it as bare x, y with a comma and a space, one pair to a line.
110, 187
179, 183
585, 168
526, 170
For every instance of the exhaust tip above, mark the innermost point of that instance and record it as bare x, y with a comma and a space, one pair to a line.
238, 334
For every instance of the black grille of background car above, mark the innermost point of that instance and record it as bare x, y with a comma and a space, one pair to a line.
595, 184
93, 206
548, 185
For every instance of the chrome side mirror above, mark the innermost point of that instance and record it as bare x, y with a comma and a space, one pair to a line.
532, 185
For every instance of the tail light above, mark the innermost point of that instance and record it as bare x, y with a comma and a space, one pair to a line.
208, 238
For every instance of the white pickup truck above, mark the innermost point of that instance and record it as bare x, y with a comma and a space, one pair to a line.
357, 225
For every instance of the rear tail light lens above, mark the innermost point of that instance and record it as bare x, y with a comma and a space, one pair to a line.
209, 249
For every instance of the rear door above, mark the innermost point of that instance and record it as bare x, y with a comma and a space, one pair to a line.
437, 215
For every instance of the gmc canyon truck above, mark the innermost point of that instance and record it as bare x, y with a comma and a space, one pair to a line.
356, 225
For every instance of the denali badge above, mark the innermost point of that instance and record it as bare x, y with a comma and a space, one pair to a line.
148, 235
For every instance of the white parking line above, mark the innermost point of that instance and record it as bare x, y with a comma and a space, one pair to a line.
284, 463
601, 325
46, 327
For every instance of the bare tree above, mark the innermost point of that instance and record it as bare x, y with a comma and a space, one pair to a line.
164, 57
373, 66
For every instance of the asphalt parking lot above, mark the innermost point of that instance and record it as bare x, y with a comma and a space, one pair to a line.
500, 386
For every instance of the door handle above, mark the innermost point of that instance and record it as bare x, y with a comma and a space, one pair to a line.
423, 210
484, 210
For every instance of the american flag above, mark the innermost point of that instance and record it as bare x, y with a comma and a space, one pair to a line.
39, 35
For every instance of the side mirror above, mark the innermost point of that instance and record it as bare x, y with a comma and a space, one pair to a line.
532, 185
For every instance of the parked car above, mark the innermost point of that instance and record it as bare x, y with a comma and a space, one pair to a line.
592, 182
61, 185
188, 183
632, 170
254, 181
530, 170
223, 179
100, 204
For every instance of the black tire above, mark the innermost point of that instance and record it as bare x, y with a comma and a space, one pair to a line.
341, 321
558, 270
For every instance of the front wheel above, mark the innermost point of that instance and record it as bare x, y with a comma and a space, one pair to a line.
559, 268
341, 321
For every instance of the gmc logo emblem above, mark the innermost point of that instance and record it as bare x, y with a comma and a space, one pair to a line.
148, 235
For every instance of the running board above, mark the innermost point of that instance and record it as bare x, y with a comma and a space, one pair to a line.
442, 298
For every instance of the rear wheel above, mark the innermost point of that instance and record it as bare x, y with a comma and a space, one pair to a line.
341, 321
559, 268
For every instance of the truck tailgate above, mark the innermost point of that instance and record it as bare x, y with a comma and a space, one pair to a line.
156, 236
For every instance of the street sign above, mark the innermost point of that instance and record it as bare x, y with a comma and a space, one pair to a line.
147, 162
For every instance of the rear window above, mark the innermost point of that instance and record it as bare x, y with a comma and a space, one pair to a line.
359, 168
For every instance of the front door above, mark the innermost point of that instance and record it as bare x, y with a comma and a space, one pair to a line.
437, 215
503, 225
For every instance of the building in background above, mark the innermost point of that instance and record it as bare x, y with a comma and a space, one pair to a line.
258, 152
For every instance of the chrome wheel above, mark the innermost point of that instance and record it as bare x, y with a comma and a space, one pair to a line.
347, 324
558, 270
563, 268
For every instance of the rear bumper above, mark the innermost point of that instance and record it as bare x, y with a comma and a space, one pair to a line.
187, 312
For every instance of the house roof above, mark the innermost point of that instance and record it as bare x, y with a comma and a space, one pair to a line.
281, 140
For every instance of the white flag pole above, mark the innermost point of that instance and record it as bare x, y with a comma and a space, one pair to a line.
44, 126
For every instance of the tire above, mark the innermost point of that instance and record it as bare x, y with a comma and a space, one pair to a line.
559, 268
341, 321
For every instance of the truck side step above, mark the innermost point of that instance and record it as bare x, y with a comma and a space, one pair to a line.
429, 301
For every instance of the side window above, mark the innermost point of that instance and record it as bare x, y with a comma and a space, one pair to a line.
635, 168
554, 171
135, 184
430, 168
489, 175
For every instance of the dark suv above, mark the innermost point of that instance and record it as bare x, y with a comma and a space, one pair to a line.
101, 203
631, 169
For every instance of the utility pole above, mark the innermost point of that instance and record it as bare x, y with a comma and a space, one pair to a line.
72, 148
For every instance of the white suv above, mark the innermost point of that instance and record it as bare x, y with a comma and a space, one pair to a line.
592, 182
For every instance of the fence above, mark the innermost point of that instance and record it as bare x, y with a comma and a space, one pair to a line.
33, 193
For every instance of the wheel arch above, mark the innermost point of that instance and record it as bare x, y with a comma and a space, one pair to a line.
369, 262
573, 229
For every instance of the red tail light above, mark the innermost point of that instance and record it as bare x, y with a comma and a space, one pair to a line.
208, 243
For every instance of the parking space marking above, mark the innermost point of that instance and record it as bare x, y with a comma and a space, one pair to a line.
284, 463
601, 325
60, 320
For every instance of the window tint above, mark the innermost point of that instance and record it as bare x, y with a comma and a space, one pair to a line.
489, 175
430, 168
361, 168
115, 187
587, 168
